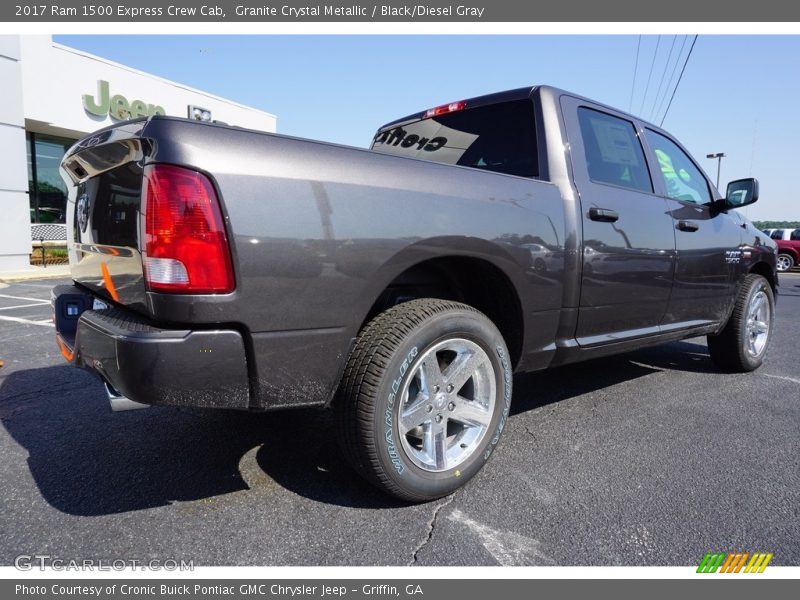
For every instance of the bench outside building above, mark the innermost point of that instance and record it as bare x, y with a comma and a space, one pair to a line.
50, 237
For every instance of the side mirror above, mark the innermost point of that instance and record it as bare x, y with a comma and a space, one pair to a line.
740, 193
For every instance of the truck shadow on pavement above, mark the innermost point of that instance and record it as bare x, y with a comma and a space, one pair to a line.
87, 461
533, 390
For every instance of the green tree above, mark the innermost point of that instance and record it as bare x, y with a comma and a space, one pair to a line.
777, 224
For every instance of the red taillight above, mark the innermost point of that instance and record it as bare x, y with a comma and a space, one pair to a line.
185, 246
444, 109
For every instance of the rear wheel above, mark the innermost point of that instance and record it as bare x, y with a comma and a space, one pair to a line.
424, 398
785, 262
742, 345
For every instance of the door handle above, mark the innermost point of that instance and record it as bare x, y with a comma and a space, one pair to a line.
688, 226
604, 215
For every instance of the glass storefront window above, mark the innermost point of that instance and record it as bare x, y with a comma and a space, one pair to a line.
48, 194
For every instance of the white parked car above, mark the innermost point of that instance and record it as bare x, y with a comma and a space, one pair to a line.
780, 234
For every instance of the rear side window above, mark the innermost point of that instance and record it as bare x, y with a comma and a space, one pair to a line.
795, 235
498, 137
683, 180
777, 234
613, 152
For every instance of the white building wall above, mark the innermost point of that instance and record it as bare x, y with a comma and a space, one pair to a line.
42, 85
15, 231
55, 79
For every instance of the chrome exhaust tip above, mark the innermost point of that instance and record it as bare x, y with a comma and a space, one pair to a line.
119, 402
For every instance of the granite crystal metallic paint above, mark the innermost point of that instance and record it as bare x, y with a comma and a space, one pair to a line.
324, 236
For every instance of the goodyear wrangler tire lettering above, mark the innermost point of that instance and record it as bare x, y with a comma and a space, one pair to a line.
506, 401
424, 398
388, 420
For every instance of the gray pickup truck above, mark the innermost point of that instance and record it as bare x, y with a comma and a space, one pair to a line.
219, 267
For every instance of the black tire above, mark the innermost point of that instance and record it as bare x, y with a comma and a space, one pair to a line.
733, 349
785, 262
391, 361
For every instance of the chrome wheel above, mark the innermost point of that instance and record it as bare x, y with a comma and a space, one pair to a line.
757, 324
447, 404
424, 398
785, 262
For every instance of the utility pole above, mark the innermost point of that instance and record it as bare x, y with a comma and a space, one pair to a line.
719, 156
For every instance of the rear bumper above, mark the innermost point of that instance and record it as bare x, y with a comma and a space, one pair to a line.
150, 364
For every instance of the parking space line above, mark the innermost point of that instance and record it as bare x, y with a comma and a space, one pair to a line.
47, 286
42, 303
23, 298
792, 379
47, 323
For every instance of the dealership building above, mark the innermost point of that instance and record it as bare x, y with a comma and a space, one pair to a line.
52, 95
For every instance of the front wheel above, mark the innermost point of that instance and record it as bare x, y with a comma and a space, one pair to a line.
424, 398
785, 262
742, 345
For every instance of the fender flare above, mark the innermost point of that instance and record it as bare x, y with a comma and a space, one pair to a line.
443, 247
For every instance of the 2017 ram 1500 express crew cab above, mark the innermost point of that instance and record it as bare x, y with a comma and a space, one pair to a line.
220, 267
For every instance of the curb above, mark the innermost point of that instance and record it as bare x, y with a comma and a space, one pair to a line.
54, 272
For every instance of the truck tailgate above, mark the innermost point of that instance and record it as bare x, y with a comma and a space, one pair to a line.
105, 175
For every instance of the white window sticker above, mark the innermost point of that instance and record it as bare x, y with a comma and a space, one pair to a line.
615, 142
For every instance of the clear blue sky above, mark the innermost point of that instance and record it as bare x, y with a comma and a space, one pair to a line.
738, 94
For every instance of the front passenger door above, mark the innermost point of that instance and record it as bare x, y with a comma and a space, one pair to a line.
707, 240
628, 244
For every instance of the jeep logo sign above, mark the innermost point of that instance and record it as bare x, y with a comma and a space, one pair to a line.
118, 107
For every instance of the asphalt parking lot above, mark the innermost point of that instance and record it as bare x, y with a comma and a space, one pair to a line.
650, 458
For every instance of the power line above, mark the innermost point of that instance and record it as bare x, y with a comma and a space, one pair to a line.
671, 77
635, 69
686, 62
663, 75
647, 87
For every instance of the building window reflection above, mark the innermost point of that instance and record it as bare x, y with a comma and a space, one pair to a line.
48, 193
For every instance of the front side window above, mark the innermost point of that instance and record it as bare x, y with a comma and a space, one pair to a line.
613, 152
682, 179
777, 234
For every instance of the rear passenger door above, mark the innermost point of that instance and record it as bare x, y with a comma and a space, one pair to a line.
628, 241
708, 241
